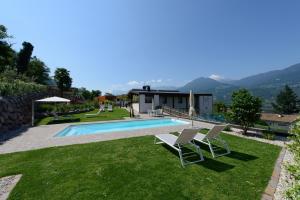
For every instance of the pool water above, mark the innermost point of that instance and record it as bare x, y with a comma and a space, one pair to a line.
87, 129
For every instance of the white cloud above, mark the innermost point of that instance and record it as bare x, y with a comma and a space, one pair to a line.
133, 83
216, 77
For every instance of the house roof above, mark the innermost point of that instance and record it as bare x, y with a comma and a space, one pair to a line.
279, 118
141, 91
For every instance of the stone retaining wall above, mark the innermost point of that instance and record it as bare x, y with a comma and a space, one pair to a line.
15, 112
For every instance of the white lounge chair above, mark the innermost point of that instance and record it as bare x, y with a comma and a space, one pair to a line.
213, 135
94, 114
109, 108
158, 113
102, 108
185, 137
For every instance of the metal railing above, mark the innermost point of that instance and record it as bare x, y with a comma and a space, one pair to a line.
175, 112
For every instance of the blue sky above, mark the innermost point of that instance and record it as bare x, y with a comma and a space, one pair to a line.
117, 45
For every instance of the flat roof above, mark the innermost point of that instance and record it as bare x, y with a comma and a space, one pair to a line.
279, 118
141, 91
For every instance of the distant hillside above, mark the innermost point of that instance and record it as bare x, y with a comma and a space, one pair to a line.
276, 78
266, 85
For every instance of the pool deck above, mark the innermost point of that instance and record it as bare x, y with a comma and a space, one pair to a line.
43, 136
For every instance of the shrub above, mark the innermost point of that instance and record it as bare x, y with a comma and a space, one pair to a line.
227, 128
64, 108
18, 87
269, 135
294, 169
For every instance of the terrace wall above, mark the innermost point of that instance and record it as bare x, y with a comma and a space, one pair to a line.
15, 112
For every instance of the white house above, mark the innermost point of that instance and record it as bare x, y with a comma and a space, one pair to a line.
148, 98
279, 122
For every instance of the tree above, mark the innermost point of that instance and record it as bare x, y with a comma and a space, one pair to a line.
85, 93
220, 107
7, 54
23, 57
286, 101
62, 79
245, 109
95, 93
38, 71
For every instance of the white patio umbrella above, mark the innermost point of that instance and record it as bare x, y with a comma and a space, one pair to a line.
153, 104
192, 111
48, 100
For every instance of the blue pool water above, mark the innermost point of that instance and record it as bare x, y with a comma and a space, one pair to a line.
86, 129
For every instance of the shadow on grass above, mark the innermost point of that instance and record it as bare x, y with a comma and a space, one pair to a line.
233, 154
208, 163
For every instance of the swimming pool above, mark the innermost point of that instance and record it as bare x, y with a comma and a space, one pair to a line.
87, 129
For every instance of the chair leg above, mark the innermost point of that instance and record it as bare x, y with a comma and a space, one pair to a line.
211, 149
198, 150
181, 158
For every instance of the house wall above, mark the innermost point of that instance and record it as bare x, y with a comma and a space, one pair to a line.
182, 105
144, 107
203, 103
279, 125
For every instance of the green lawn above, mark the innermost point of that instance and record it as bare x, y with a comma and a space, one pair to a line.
135, 168
118, 113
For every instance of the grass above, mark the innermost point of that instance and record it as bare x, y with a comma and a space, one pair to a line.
135, 168
118, 113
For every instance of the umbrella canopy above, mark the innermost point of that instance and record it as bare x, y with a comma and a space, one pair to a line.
54, 100
48, 100
192, 111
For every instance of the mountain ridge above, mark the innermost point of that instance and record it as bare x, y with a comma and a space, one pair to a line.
265, 85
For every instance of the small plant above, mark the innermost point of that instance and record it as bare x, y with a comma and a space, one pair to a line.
294, 169
227, 128
269, 135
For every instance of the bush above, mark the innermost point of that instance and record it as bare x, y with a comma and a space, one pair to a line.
269, 135
64, 108
227, 128
294, 169
18, 87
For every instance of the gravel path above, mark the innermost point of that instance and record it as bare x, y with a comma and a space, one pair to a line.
7, 184
285, 180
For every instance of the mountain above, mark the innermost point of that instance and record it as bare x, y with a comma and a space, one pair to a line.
221, 91
275, 78
265, 85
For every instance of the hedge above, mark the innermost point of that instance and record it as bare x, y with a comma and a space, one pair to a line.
18, 87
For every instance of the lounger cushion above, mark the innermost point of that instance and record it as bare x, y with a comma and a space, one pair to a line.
167, 138
199, 137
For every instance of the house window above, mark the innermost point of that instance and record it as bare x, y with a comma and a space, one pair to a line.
148, 99
165, 100
180, 100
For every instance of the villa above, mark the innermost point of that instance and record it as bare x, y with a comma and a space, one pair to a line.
148, 98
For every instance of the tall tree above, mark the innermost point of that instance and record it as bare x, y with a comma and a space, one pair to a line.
7, 54
38, 71
62, 79
85, 93
96, 93
286, 101
245, 109
24, 56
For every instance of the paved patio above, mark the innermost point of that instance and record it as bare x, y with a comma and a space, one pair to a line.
43, 136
